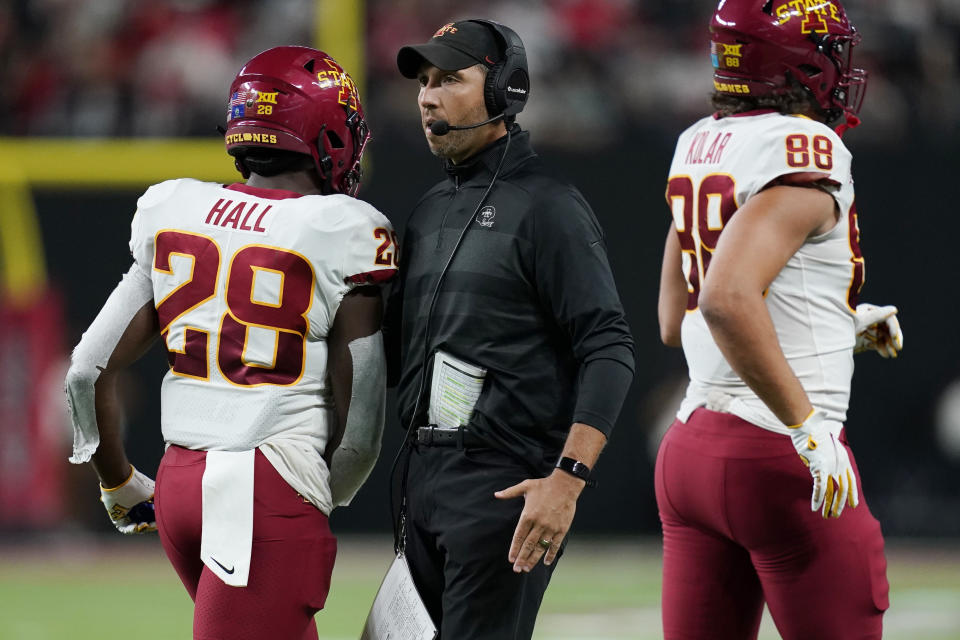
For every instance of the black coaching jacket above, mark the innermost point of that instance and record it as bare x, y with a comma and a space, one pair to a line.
529, 296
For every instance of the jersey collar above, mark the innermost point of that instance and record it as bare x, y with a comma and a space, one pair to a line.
268, 194
744, 114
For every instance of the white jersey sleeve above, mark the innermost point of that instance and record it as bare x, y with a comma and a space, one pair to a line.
795, 150
141, 245
362, 249
371, 248
719, 164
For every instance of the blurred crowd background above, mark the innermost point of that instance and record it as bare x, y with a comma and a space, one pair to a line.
159, 68
613, 83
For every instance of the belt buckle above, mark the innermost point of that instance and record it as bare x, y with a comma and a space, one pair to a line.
433, 436
425, 435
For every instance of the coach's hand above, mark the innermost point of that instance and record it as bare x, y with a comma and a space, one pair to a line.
878, 330
834, 483
130, 504
548, 509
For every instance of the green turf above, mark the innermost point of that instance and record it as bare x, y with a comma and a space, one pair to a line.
602, 590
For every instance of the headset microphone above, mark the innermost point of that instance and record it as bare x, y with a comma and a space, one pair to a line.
442, 127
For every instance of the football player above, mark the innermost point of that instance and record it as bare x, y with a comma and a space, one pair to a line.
761, 273
266, 296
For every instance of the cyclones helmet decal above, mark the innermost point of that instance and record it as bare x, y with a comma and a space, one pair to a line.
757, 45
300, 99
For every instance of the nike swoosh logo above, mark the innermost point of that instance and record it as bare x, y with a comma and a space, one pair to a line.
229, 571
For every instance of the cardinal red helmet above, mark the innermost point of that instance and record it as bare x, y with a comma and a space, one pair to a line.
300, 99
758, 45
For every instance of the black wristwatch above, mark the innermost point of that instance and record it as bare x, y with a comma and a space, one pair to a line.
576, 468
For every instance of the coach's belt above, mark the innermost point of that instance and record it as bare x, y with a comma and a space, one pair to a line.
440, 437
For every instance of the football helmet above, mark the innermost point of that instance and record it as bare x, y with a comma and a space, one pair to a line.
758, 45
299, 99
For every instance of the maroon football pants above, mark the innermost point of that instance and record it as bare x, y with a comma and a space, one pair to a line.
290, 565
734, 501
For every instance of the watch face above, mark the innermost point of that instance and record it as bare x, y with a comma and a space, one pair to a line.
575, 467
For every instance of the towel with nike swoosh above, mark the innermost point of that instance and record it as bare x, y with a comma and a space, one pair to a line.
227, 535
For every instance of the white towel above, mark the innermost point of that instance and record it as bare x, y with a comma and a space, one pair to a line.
227, 534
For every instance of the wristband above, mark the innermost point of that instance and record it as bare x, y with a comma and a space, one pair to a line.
122, 484
577, 469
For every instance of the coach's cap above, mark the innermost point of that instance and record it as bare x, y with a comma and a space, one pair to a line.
455, 46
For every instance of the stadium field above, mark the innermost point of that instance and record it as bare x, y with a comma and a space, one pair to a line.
603, 589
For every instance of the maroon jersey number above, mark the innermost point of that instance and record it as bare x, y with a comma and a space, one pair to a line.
200, 287
385, 257
859, 271
287, 316
708, 209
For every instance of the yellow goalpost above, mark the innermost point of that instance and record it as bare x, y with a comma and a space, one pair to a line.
110, 163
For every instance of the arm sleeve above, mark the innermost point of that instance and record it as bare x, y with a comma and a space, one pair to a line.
359, 448
392, 329
603, 386
575, 282
90, 357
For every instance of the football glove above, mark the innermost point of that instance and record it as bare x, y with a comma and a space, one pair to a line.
878, 329
130, 505
834, 483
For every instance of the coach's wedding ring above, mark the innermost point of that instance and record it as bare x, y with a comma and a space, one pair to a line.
544, 543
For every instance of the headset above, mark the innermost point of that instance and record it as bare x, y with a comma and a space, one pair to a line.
507, 86
508, 82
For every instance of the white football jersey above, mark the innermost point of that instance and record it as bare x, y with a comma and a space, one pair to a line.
247, 283
718, 165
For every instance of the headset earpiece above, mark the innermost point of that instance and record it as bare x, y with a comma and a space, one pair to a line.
490, 90
507, 86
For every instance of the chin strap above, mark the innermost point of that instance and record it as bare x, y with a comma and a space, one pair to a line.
852, 122
242, 168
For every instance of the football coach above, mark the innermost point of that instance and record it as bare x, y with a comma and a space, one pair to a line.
505, 281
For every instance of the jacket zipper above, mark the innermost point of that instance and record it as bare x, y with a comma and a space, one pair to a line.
446, 212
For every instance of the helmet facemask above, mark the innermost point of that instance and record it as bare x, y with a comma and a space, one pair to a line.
851, 84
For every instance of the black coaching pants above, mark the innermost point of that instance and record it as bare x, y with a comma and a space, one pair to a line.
458, 538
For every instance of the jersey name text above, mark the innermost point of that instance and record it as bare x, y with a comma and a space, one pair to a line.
239, 215
699, 153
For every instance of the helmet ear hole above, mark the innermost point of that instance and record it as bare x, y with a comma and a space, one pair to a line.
242, 168
334, 140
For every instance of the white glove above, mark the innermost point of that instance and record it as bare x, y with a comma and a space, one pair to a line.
834, 483
130, 505
878, 329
